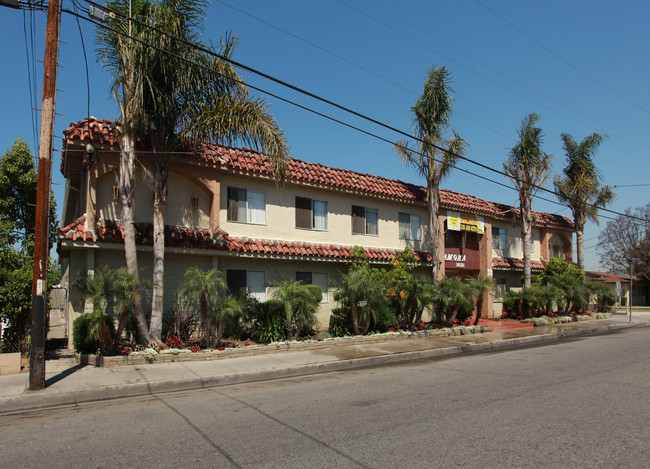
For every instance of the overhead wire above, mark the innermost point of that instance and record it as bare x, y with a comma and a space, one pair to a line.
314, 96
507, 77
29, 79
558, 56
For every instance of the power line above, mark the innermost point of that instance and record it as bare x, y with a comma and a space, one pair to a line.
631, 185
558, 56
476, 72
498, 72
312, 95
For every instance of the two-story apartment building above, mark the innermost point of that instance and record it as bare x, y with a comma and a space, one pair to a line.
224, 211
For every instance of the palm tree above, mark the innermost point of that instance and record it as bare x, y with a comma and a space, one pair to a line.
300, 305
98, 288
127, 290
527, 166
181, 104
580, 186
452, 295
221, 311
479, 286
122, 57
205, 288
360, 292
431, 116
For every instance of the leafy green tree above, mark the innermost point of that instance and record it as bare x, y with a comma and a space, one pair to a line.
479, 286
205, 288
437, 149
527, 167
17, 218
580, 187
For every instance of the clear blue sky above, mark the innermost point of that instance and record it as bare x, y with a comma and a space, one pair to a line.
583, 66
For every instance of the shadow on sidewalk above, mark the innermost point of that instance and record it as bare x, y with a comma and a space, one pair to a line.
62, 375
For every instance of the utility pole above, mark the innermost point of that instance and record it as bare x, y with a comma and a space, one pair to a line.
41, 245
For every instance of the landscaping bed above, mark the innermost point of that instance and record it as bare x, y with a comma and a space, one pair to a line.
170, 355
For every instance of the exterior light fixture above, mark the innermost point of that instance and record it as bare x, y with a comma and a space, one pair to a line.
195, 201
116, 193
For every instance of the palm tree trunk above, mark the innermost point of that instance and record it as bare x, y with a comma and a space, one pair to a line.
204, 319
580, 245
127, 196
120, 327
355, 317
526, 224
160, 187
479, 308
433, 197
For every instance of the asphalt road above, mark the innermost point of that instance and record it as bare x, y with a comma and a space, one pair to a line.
574, 403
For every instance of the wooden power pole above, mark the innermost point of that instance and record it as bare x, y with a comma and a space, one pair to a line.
41, 245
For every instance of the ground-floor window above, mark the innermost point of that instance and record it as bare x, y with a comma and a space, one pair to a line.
500, 288
252, 282
315, 278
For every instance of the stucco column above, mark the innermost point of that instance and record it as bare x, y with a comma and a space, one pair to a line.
91, 198
90, 272
485, 255
545, 245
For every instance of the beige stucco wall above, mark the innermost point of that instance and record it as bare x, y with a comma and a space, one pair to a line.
178, 210
280, 216
515, 246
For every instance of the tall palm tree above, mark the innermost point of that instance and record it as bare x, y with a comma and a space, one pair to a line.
431, 118
205, 288
580, 187
187, 97
122, 56
527, 167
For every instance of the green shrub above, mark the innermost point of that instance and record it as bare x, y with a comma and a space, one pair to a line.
269, 322
383, 317
92, 332
340, 323
316, 292
624, 301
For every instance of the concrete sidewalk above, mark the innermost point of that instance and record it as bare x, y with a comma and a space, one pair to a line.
68, 383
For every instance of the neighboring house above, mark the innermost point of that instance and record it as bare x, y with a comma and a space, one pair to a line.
225, 212
621, 284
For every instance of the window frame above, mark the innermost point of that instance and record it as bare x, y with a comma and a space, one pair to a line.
260, 296
251, 205
301, 213
357, 219
418, 231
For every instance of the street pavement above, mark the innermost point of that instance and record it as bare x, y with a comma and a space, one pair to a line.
69, 383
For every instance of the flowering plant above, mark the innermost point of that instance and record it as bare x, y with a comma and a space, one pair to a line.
174, 341
195, 348
127, 351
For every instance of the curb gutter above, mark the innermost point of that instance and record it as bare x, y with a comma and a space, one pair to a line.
37, 400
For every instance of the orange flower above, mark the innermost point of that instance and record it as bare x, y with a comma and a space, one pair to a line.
402, 294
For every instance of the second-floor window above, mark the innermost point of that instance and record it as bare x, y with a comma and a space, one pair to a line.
365, 220
499, 239
246, 206
311, 214
409, 226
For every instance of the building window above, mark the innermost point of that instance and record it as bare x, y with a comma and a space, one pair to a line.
314, 278
250, 281
409, 226
311, 214
499, 239
246, 206
365, 220
500, 288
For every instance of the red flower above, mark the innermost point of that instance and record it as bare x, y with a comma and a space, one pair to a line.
126, 352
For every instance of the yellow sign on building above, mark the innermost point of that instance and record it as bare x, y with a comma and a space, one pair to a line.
458, 222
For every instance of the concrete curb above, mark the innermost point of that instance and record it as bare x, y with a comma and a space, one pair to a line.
38, 400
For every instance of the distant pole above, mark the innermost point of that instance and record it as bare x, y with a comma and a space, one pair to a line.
39, 280
631, 286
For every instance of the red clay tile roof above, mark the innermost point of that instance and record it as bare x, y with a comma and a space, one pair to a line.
201, 239
508, 263
252, 162
607, 277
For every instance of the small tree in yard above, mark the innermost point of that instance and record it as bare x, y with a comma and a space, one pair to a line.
301, 304
454, 300
128, 290
98, 289
228, 308
360, 290
205, 289
479, 286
